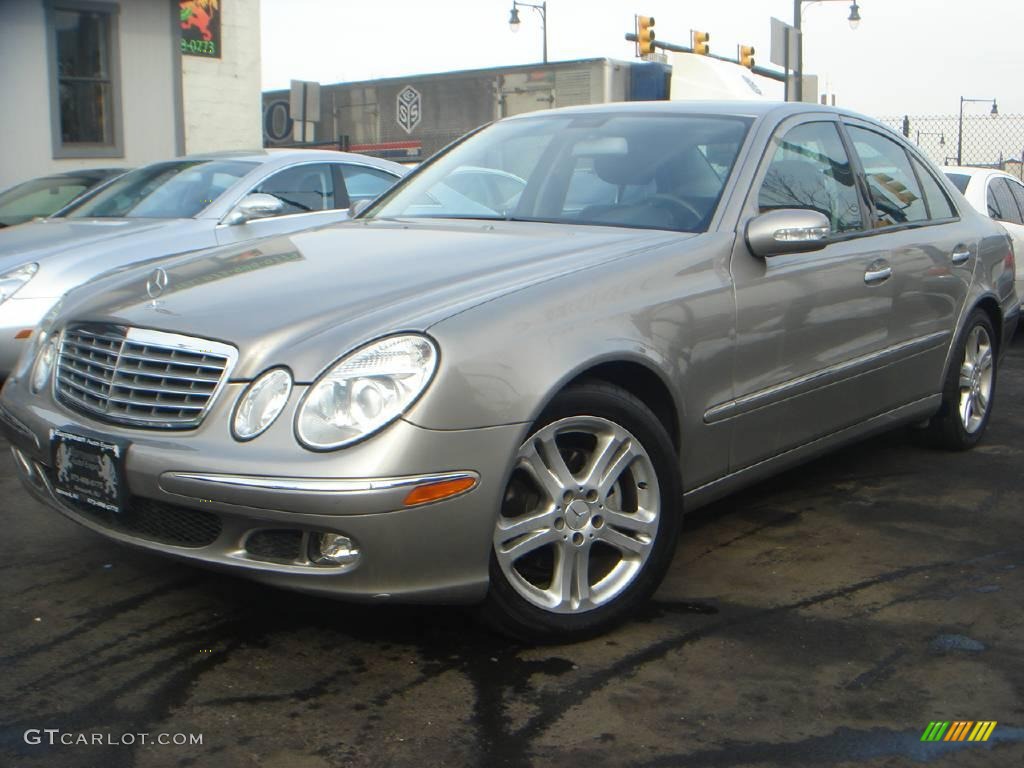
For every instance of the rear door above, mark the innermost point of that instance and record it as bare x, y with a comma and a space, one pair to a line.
932, 254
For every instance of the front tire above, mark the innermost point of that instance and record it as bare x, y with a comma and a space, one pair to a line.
969, 389
589, 520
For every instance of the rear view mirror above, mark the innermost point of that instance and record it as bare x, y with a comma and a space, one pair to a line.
609, 145
788, 230
256, 205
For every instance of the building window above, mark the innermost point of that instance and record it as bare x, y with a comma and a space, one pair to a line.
84, 99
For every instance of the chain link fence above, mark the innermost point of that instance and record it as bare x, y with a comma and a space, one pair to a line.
990, 141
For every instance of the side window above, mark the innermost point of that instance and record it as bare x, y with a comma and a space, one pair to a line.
939, 206
302, 188
895, 193
1004, 197
960, 181
365, 183
1018, 193
811, 170
993, 204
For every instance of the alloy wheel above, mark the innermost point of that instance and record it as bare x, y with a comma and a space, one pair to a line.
976, 379
580, 515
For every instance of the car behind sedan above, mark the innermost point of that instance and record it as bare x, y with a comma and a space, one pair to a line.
38, 198
169, 208
999, 196
512, 399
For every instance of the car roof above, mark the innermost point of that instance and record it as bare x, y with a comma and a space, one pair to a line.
87, 172
967, 170
284, 157
755, 109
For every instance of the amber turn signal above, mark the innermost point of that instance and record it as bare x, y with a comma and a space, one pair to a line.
424, 494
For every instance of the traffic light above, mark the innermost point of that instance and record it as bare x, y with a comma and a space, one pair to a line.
699, 42
745, 55
645, 35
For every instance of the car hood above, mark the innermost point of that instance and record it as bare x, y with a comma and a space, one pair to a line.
71, 251
308, 298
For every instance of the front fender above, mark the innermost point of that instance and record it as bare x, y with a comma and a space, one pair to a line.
670, 310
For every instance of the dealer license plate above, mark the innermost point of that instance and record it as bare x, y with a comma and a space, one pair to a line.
88, 471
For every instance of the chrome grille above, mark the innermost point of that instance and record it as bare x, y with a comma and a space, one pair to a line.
140, 377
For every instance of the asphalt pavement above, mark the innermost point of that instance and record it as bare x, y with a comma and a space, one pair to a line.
823, 618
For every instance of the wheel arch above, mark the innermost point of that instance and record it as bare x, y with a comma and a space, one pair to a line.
639, 378
987, 303
990, 307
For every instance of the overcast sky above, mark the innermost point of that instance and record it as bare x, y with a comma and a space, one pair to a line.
907, 56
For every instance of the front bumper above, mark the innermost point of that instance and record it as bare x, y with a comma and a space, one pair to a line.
436, 552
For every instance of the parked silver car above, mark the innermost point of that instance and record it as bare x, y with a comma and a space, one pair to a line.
42, 197
170, 208
437, 403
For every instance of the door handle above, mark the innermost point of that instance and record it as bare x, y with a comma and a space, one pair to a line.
877, 272
960, 255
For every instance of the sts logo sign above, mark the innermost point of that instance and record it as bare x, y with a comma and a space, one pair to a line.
408, 108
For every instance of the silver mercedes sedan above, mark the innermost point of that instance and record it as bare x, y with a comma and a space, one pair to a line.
174, 207
512, 400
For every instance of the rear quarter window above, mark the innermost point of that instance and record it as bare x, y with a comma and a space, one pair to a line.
960, 181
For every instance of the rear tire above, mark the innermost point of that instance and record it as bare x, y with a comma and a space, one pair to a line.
969, 390
589, 521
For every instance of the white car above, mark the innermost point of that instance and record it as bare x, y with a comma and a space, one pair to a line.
1001, 197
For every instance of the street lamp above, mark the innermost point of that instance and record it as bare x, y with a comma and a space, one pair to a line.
798, 70
854, 17
542, 9
960, 125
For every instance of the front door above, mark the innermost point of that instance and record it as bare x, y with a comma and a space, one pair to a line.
810, 326
313, 195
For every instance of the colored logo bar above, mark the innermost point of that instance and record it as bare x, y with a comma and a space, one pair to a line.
959, 730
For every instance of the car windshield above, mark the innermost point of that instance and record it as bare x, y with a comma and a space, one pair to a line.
40, 197
658, 171
175, 190
960, 180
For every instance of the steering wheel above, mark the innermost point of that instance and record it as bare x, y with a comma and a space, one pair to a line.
686, 215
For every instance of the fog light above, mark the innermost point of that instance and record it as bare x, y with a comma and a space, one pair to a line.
335, 549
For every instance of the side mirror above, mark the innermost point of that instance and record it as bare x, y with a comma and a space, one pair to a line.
256, 205
789, 230
359, 206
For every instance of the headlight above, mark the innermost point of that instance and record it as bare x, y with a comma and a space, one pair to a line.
44, 366
261, 404
11, 282
42, 333
365, 391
